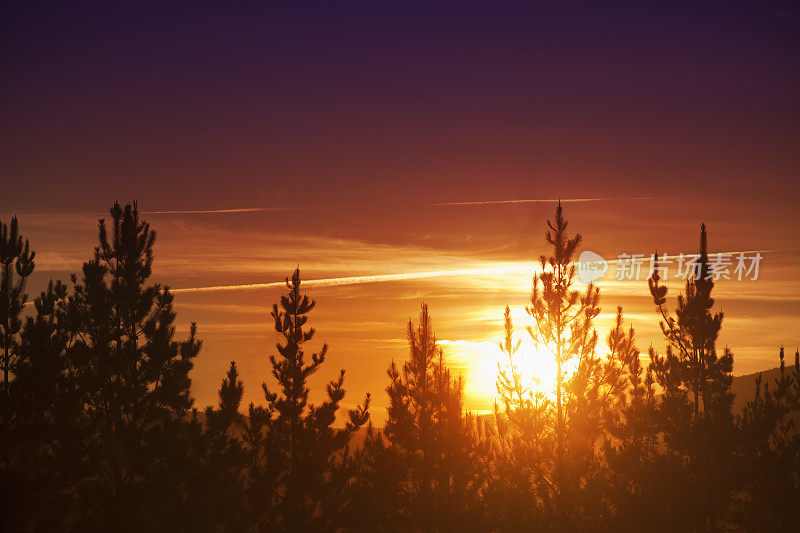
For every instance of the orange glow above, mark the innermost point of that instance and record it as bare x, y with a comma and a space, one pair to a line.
478, 362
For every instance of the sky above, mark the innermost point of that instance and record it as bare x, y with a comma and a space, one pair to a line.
387, 139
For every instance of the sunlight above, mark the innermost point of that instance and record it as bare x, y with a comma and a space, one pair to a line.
535, 364
477, 361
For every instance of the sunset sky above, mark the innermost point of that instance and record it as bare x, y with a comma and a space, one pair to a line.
382, 140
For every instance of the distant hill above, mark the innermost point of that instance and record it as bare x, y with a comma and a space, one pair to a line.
744, 386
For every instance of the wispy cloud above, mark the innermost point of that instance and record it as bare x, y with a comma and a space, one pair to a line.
545, 201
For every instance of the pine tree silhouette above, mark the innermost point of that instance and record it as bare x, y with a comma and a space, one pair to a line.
48, 425
513, 389
768, 452
699, 448
97, 429
297, 441
519, 481
221, 421
631, 442
133, 374
693, 333
430, 436
16, 264
216, 489
563, 324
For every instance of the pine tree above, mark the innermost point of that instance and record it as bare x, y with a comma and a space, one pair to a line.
133, 374
48, 424
699, 443
589, 406
42, 373
768, 452
222, 420
298, 444
431, 437
563, 324
16, 264
693, 333
216, 484
631, 439
514, 390
519, 477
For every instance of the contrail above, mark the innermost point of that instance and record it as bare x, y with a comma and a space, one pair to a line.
240, 210
378, 278
352, 280
666, 257
232, 210
543, 201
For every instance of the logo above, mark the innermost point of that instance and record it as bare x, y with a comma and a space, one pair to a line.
591, 266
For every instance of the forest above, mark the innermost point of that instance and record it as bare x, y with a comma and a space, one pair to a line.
100, 430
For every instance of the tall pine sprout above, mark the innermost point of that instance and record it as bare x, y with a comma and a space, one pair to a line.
563, 319
693, 332
300, 443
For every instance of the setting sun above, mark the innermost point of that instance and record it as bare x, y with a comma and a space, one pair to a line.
479, 362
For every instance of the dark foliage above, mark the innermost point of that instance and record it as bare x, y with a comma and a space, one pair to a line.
422, 471
99, 430
293, 444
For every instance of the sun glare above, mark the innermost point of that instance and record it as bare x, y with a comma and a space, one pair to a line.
478, 363
534, 363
